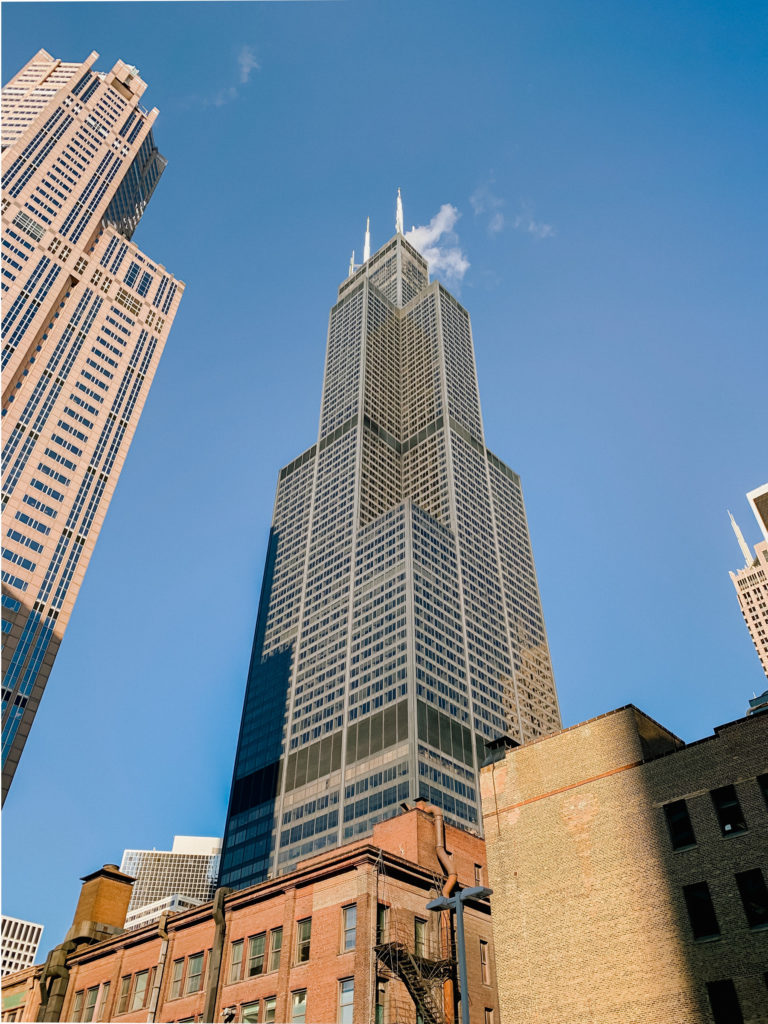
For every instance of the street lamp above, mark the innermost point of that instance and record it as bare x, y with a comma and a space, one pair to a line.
456, 903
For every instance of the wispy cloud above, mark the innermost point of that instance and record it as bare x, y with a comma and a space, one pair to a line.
486, 203
525, 221
438, 243
246, 64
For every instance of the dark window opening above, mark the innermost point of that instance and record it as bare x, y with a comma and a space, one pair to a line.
724, 1002
679, 824
701, 911
754, 896
728, 809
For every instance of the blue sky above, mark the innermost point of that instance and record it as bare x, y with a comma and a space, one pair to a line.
606, 164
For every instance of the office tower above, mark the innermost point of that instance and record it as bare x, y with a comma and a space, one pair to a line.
86, 316
173, 880
751, 582
21, 940
400, 623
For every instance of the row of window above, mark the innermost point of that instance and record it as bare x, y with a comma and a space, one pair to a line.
701, 908
730, 816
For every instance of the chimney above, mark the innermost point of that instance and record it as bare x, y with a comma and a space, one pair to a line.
103, 904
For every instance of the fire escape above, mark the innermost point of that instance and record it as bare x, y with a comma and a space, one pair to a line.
421, 976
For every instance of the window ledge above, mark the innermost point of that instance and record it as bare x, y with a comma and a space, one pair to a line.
684, 849
708, 938
733, 835
759, 927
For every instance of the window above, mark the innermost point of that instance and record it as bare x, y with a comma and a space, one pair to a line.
346, 1000
303, 936
90, 1002
382, 922
101, 1011
762, 780
724, 1002
679, 824
478, 874
275, 946
485, 969
194, 974
125, 989
419, 936
270, 1009
249, 1012
349, 927
701, 911
728, 810
754, 896
381, 1001
299, 1007
140, 990
178, 972
256, 947
236, 962
488, 1018
77, 1009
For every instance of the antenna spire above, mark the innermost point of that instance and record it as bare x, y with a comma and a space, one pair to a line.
367, 245
399, 215
351, 264
748, 559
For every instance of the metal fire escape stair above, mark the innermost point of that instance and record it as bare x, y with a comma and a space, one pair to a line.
411, 971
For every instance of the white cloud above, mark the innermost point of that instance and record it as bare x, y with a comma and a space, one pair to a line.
247, 63
484, 202
438, 243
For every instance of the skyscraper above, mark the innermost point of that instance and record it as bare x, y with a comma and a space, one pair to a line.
86, 316
751, 582
174, 879
400, 623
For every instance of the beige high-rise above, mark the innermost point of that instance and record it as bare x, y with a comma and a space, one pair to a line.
751, 582
85, 317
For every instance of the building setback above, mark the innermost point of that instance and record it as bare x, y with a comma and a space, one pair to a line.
751, 582
21, 940
343, 939
400, 623
629, 874
175, 879
86, 316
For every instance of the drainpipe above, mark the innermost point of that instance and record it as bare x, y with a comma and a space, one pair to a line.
162, 931
451, 884
214, 967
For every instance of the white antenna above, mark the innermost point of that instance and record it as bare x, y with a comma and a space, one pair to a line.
399, 215
748, 559
367, 245
351, 264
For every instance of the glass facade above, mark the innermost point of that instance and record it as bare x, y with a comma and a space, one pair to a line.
400, 624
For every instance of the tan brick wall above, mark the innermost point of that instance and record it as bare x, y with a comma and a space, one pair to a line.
589, 920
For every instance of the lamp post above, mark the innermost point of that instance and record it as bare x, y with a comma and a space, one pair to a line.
456, 904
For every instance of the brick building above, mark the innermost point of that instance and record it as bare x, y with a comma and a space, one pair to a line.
343, 938
629, 874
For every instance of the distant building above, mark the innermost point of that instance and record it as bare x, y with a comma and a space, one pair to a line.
345, 938
21, 940
751, 582
758, 703
171, 880
629, 874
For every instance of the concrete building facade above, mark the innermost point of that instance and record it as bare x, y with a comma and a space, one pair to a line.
171, 880
751, 582
85, 317
343, 939
629, 874
400, 623
20, 942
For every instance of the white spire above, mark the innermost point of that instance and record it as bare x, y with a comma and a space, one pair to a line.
367, 246
399, 215
748, 558
351, 264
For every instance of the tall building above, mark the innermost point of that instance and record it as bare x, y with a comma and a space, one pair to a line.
21, 941
171, 880
86, 317
400, 623
629, 874
751, 582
